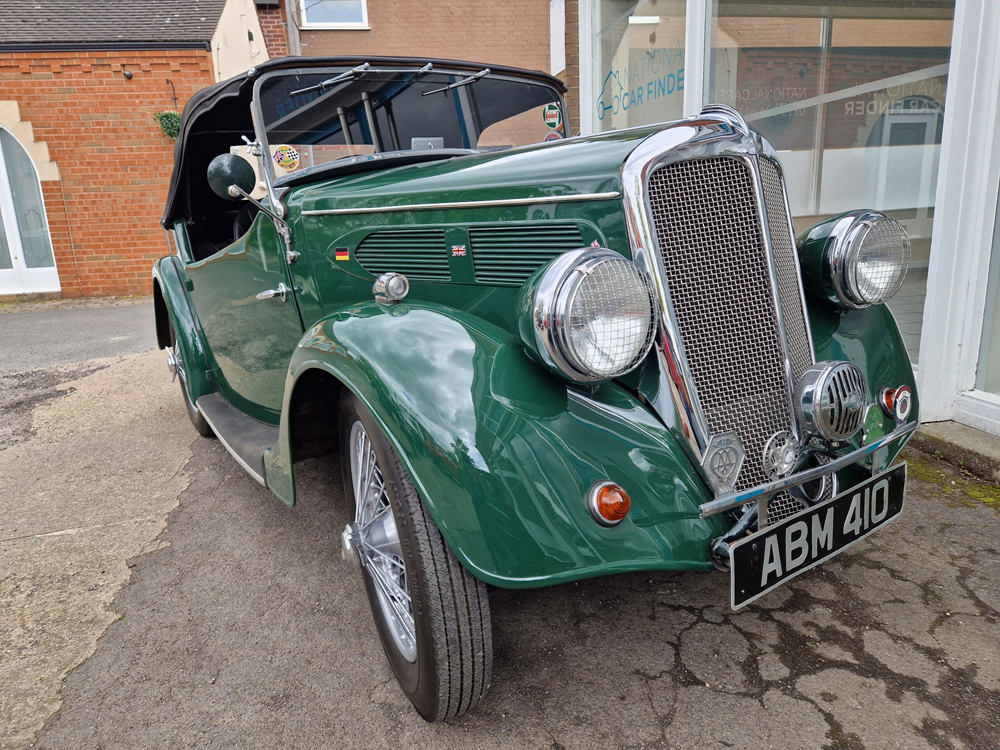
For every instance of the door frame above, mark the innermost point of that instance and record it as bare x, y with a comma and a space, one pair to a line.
25, 280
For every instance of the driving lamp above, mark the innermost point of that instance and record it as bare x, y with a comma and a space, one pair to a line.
863, 260
589, 315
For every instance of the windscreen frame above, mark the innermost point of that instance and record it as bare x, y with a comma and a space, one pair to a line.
271, 180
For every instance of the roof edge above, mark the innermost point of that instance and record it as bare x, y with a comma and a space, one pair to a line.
101, 46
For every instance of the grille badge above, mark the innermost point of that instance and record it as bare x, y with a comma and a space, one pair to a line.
781, 453
723, 461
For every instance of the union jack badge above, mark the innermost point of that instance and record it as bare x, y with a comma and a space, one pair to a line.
458, 251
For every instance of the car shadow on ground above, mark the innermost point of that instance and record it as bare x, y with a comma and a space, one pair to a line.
248, 630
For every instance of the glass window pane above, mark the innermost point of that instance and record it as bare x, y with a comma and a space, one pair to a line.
854, 102
5, 262
638, 62
334, 11
988, 373
28, 205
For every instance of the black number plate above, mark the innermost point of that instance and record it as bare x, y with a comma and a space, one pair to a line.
780, 552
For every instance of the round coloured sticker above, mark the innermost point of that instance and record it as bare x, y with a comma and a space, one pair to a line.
553, 137
286, 158
552, 115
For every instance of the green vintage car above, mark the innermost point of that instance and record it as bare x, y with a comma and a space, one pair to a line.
540, 357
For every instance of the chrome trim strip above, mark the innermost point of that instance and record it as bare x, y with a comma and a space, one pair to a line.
729, 502
232, 452
466, 204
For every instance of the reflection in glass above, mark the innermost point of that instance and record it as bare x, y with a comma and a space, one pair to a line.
854, 102
988, 373
639, 62
28, 205
5, 261
334, 11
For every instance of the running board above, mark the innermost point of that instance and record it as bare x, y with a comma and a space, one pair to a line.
245, 438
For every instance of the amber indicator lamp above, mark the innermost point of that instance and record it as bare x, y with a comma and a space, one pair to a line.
608, 503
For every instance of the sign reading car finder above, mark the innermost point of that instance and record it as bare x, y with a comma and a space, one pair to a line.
778, 553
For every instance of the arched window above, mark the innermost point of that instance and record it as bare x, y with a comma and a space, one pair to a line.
27, 263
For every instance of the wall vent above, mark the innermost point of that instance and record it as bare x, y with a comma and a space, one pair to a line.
419, 254
508, 255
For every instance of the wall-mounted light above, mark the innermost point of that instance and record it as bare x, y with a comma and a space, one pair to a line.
126, 73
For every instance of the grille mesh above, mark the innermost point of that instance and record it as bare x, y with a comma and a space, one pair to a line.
705, 215
416, 253
783, 244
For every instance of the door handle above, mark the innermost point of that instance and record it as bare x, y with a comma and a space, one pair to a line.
282, 291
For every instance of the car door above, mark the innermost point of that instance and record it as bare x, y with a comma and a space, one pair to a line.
251, 333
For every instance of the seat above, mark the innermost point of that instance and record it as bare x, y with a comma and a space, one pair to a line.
244, 220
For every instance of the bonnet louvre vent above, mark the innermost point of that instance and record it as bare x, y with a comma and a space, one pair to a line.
415, 253
507, 255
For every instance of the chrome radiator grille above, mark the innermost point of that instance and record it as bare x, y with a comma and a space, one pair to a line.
705, 215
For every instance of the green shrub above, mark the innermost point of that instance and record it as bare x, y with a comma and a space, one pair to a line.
170, 123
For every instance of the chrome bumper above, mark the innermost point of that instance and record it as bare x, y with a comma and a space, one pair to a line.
728, 502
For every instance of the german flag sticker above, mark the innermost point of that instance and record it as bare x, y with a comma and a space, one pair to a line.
342, 253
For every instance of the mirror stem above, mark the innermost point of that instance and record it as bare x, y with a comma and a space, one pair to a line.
237, 192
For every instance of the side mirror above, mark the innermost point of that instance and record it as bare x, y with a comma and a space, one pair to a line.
229, 171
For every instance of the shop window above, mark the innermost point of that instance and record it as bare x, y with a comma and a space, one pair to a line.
335, 14
852, 96
638, 62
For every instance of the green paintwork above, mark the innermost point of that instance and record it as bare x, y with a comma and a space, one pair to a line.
501, 450
250, 340
870, 339
169, 275
503, 453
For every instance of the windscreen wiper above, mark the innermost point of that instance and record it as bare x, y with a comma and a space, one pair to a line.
358, 71
464, 82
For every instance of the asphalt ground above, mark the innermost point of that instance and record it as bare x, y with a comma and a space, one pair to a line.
154, 596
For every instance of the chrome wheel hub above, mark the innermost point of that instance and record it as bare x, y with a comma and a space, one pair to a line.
375, 539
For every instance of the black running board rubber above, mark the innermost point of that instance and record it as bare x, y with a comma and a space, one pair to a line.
244, 437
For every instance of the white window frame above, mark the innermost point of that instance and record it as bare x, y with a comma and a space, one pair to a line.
356, 26
965, 213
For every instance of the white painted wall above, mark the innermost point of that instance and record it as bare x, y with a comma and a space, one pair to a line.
232, 49
557, 36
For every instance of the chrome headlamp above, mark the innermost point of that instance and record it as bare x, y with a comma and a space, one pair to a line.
589, 315
866, 258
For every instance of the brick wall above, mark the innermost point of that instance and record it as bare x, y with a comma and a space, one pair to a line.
272, 23
571, 76
515, 33
113, 159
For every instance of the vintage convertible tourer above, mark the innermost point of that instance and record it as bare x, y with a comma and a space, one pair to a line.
540, 357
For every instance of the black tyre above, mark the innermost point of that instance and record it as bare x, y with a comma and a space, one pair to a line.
432, 616
177, 363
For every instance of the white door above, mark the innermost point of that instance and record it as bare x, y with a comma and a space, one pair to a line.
27, 264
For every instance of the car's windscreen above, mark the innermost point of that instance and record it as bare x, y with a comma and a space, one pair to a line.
309, 120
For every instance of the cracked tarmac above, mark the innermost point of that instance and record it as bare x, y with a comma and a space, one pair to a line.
243, 628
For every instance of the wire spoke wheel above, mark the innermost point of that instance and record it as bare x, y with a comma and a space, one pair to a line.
432, 616
378, 543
